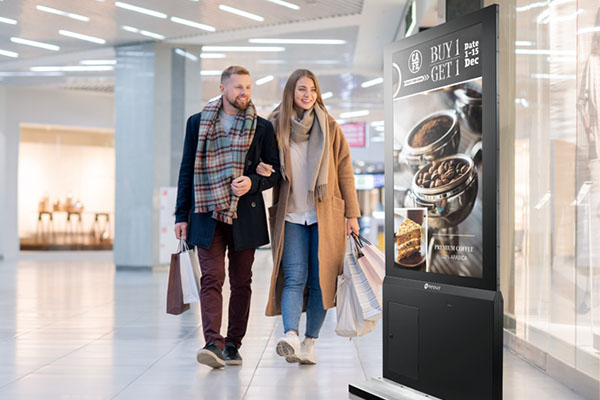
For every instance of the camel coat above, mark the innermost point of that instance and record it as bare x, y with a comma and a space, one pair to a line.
332, 212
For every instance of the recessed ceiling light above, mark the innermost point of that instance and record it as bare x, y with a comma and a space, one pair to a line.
286, 4
193, 24
143, 32
30, 73
81, 36
212, 55
523, 43
140, 10
270, 61
326, 95
372, 82
33, 43
295, 41
73, 68
352, 114
242, 48
241, 13
7, 53
63, 13
8, 21
98, 62
210, 72
326, 62
264, 80
186, 54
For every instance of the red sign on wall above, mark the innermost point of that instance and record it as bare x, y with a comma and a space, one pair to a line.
356, 133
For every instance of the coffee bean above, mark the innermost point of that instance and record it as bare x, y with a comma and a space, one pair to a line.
445, 181
438, 182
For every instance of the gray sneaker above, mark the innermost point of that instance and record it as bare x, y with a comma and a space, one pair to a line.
211, 355
289, 347
307, 351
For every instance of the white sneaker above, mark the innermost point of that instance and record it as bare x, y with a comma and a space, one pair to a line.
289, 347
307, 351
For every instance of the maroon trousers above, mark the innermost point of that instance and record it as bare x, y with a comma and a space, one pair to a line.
212, 266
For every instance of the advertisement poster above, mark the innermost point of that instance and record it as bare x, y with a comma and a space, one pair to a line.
437, 105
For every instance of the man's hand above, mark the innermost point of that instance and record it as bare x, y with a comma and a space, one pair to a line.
352, 226
181, 230
264, 169
241, 185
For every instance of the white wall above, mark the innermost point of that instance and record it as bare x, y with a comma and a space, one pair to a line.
55, 107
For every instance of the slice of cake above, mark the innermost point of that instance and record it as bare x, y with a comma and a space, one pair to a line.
408, 239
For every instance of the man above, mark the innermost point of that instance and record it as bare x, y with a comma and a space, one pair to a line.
220, 207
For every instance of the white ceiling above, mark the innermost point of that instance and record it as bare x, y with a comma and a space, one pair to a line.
367, 26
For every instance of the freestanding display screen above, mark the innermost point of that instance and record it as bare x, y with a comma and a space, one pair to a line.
442, 227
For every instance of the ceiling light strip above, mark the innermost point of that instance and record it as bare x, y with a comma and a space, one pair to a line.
80, 36
62, 13
193, 24
241, 13
98, 62
210, 72
140, 10
326, 95
73, 68
372, 82
143, 32
295, 41
285, 4
212, 55
186, 54
7, 53
352, 114
8, 21
243, 48
33, 43
264, 80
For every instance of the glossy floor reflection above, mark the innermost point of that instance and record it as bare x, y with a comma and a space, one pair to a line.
71, 327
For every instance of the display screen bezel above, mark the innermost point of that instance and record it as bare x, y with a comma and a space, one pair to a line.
488, 18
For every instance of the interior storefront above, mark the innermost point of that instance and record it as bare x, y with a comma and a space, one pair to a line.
66, 188
554, 303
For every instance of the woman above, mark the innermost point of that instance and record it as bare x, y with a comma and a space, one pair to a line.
314, 209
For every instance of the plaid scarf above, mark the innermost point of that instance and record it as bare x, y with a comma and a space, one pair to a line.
220, 158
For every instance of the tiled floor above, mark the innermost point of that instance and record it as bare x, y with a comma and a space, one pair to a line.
73, 328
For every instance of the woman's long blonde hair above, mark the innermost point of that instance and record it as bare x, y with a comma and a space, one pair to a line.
282, 114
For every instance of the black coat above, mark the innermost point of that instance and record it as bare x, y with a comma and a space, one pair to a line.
250, 227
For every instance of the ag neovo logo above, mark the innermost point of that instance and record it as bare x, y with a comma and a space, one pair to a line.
429, 286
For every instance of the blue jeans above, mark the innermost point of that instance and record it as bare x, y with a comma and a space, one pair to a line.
300, 264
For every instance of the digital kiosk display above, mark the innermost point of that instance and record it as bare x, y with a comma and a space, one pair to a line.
439, 134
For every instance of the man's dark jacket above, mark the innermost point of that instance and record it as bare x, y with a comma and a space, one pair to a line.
250, 226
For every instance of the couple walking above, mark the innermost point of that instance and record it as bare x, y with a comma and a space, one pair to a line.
230, 156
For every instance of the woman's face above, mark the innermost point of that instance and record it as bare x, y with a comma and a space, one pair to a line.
305, 93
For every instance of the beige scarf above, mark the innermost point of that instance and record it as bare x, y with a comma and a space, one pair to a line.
313, 128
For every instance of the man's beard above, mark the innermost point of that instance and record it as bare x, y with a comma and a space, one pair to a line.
234, 104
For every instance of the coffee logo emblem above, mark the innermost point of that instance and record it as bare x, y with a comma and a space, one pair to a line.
414, 61
429, 286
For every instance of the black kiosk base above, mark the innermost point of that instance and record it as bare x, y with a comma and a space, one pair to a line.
438, 339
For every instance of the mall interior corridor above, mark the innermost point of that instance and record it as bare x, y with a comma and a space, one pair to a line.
72, 327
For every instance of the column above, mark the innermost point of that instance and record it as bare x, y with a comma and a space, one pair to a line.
151, 106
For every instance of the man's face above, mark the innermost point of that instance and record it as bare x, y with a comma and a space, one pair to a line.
237, 91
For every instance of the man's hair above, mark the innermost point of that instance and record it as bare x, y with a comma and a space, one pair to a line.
233, 70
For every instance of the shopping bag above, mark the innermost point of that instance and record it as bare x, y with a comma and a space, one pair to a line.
190, 273
370, 304
372, 262
175, 304
351, 320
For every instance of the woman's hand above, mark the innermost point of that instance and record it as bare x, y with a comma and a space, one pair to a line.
264, 169
352, 226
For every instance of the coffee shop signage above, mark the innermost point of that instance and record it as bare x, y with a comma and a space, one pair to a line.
447, 60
